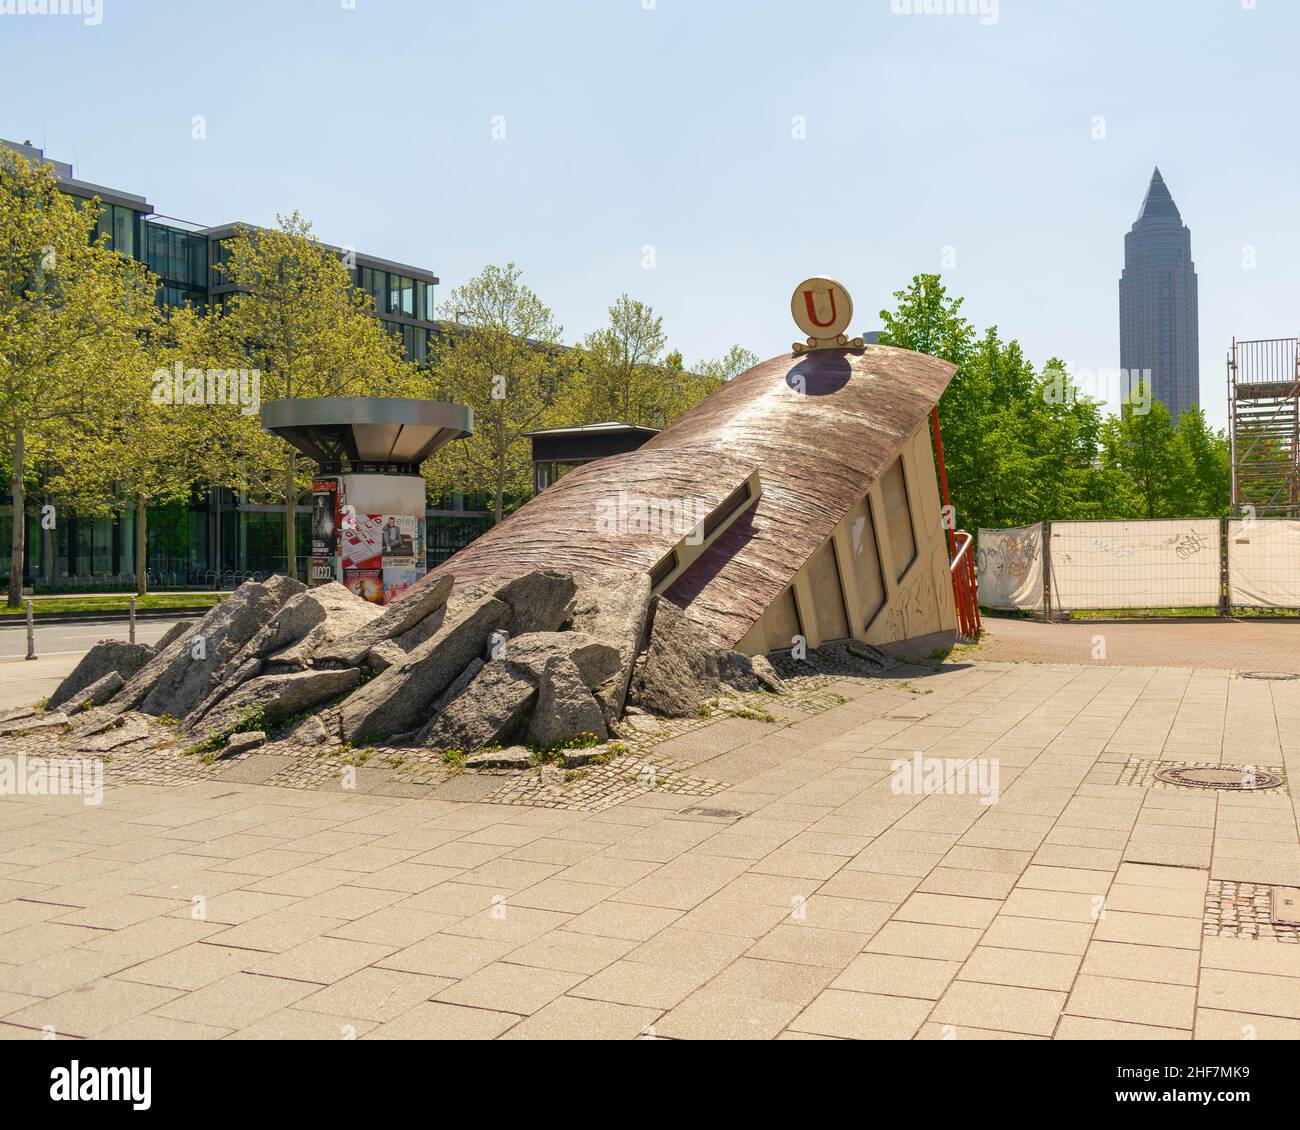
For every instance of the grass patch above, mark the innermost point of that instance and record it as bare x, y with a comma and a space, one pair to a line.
115, 602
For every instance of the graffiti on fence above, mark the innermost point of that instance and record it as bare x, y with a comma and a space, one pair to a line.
1009, 565
1190, 544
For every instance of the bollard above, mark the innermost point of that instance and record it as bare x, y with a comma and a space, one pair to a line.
31, 631
132, 619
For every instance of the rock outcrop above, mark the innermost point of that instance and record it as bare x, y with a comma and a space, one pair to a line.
615, 613
179, 678
541, 601
276, 698
395, 623
399, 699
566, 708
681, 669
403, 697
527, 662
313, 622
288, 642
766, 674
100, 691
595, 661
105, 658
490, 711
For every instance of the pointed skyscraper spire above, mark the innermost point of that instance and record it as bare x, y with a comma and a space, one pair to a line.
1158, 204
1158, 338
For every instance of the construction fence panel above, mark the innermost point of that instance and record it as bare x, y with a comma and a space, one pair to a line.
1158, 563
1009, 567
1264, 562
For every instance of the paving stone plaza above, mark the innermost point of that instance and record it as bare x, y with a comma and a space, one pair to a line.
796, 890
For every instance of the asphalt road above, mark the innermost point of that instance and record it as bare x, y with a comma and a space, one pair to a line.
59, 639
59, 647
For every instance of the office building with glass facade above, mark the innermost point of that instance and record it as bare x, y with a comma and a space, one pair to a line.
221, 536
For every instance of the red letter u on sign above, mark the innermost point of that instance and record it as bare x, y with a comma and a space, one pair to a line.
812, 309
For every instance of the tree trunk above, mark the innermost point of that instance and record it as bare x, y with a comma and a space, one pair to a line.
290, 519
141, 548
18, 543
49, 550
501, 483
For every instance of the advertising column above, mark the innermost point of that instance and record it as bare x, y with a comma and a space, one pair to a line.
382, 546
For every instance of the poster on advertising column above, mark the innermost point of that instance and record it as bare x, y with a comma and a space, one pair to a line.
322, 570
362, 541
366, 583
324, 517
399, 578
400, 539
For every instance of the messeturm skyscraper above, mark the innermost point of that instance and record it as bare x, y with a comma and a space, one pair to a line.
1157, 302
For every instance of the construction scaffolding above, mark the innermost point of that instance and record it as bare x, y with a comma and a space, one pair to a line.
1264, 427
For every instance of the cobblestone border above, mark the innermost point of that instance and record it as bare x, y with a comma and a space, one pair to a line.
1141, 772
1243, 910
160, 757
597, 787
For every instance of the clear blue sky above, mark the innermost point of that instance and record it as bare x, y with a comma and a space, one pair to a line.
672, 127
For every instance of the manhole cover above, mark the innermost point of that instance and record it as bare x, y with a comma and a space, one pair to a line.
1272, 676
1220, 777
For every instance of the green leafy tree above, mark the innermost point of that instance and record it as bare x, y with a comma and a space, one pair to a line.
504, 360
623, 367
299, 320
728, 367
1204, 485
1024, 446
1144, 445
149, 446
70, 313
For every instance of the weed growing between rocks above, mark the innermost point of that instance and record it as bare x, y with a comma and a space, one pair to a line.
248, 721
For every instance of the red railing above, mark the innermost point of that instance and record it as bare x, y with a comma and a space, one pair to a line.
964, 587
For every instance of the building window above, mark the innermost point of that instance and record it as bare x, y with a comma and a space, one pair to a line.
375, 284
828, 596
726, 508
401, 295
781, 622
663, 570
119, 225
865, 556
414, 343
898, 519
179, 258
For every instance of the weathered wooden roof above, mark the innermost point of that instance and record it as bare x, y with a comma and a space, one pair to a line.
819, 427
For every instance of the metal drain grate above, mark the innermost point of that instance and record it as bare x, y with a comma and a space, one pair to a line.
712, 813
1271, 676
1245, 779
1286, 906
